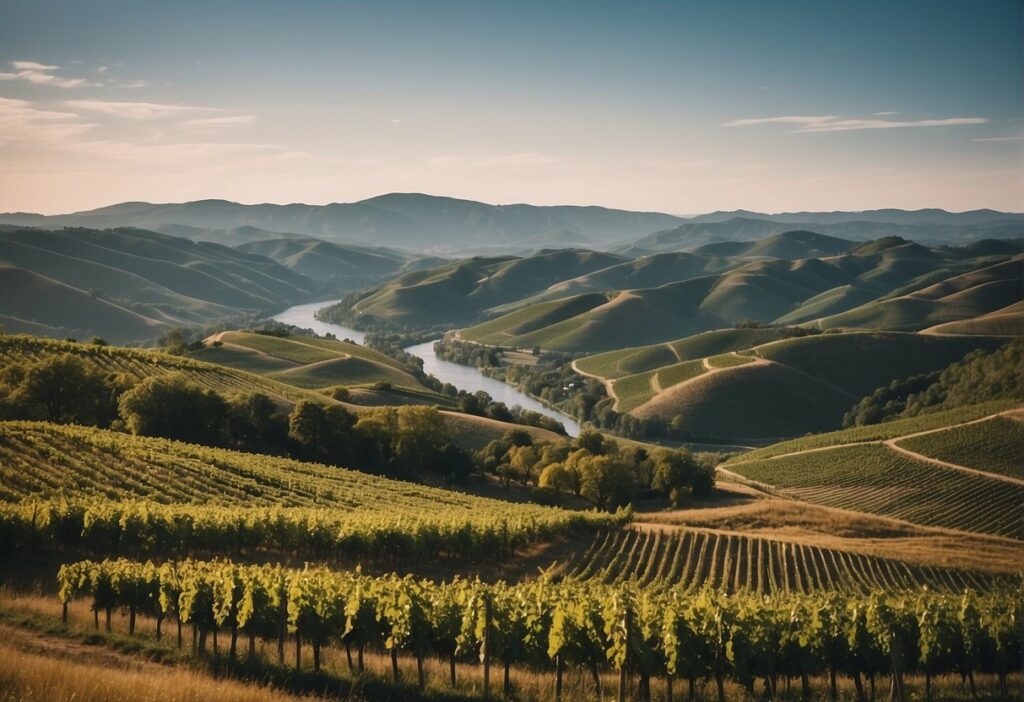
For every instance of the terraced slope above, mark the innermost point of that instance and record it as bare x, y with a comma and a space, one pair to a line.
860, 362
994, 445
881, 432
783, 387
622, 362
694, 558
885, 477
306, 362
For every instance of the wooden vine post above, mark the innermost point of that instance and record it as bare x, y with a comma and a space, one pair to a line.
486, 646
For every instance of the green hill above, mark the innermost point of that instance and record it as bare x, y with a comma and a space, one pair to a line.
306, 362
164, 280
883, 474
344, 267
34, 304
961, 297
777, 385
470, 431
464, 291
791, 245
771, 291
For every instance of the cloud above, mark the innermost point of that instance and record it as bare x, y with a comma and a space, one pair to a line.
213, 122
41, 74
21, 122
1018, 137
834, 123
526, 158
133, 110
173, 152
885, 114
32, 66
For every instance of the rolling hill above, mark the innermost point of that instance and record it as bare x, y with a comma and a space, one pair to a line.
306, 362
129, 284
463, 291
930, 226
888, 477
776, 386
470, 431
397, 219
867, 288
343, 267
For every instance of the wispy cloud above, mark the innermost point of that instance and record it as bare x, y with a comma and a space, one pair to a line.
41, 74
835, 123
1017, 137
20, 121
134, 110
214, 122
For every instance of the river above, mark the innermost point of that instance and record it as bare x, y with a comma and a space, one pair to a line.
463, 377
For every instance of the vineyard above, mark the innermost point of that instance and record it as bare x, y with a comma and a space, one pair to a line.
995, 445
140, 364
879, 432
688, 560
640, 633
306, 362
78, 487
875, 479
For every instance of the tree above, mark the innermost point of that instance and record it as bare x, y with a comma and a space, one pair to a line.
62, 388
256, 423
606, 481
673, 471
172, 407
560, 479
419, 439
522, 460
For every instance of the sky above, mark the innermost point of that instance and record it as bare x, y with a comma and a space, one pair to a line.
680, 107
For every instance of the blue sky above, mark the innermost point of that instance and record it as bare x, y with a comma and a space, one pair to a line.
675, 106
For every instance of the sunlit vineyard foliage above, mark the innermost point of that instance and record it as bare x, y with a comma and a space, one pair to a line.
645, 633
995, 445
875, 479
679, 372
881, 432
140, 364
691, 559
70, 486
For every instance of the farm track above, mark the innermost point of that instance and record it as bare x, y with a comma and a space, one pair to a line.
893, 444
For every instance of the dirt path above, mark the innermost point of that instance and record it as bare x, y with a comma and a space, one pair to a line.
893, 445
42, 644
608, 384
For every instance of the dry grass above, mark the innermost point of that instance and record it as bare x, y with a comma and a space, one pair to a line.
814, 525
36, 666
29, 676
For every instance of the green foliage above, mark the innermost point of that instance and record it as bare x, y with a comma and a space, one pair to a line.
63, 388
995, 445
879, 432
696, 635
875, 479
174, 408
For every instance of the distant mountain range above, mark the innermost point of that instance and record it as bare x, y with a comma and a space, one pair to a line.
449, 225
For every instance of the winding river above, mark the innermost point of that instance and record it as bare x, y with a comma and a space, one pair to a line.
462, 377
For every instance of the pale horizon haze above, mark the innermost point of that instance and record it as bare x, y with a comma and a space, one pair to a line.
678, 107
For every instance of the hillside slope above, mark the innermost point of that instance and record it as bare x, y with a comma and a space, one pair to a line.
167, 280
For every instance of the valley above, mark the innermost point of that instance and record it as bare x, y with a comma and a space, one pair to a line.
527, 449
